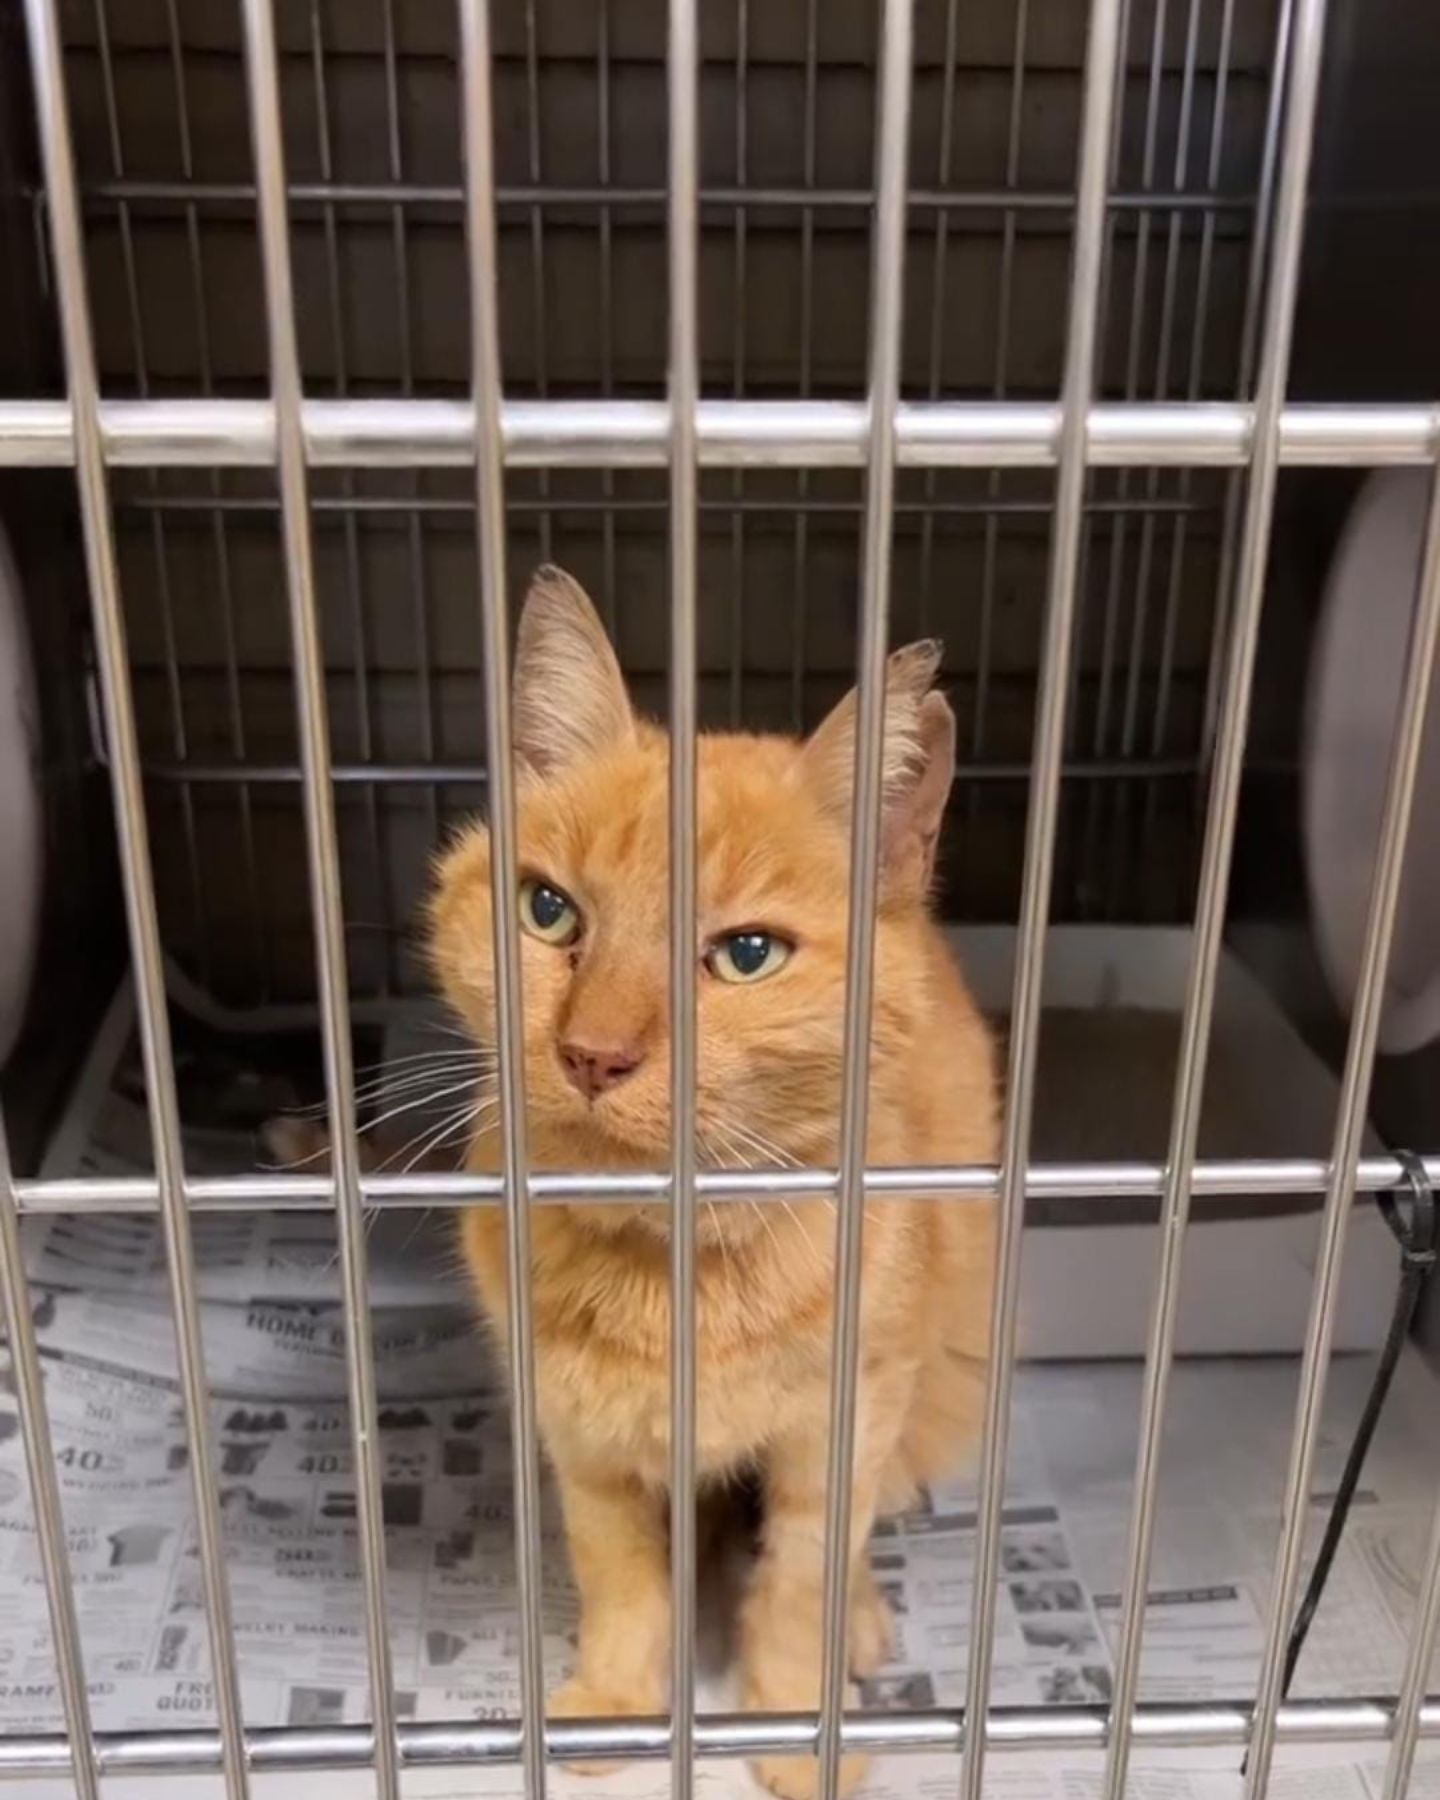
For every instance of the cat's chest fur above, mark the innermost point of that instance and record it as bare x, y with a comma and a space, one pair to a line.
602, 1350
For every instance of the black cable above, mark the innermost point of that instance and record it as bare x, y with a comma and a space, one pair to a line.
1410, 1214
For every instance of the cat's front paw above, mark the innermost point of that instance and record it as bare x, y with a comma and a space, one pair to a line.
794, 1777
798, 1777
579, 1699
290, 1142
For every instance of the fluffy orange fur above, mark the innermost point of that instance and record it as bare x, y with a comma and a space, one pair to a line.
773, 855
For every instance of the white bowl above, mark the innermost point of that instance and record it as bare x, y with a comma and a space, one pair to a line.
1354, 690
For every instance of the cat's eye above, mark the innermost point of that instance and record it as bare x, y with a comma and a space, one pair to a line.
747, 955
548, 913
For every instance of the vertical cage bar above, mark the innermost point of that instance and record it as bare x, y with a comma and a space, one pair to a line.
414, 529
349, 527
1120, 834
606, 259
45, 1501
122, 208
395, 164
538, 311
1418, 1660
1119, 528
225, 597
219, 533
1103, 54
990, 552
683, 74
887, 287
941, 254
1088, 556
799, 599
479, 133
1194, 387
1303, 83
323, 858
47, 74
1168, 294
1114, 520
1280, 62
1352, 1108
985, 646
1254, 283
737, 323
175, 701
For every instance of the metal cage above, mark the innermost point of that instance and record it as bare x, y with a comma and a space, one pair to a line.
1026, 464
370, 101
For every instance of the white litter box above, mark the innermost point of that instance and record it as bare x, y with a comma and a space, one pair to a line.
1112, 999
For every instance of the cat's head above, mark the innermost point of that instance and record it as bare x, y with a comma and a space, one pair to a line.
772, 888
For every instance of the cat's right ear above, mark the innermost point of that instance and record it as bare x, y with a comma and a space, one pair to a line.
917, 763
569, 699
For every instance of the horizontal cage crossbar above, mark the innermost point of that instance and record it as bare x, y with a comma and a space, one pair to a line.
730, 434
295, 1748
1216, 1179
387, 194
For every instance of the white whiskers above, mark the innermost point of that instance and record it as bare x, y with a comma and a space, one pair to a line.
746, 1148
418, 1084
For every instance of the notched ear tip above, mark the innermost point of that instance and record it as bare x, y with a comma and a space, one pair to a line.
556, 610
913, 668
551, 588
551, 578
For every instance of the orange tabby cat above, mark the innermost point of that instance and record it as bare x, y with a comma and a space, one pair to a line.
774, 816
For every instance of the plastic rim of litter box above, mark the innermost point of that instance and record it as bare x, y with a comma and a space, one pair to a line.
1354, 688
20, 824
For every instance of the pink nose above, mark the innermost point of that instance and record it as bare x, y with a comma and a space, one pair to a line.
592, 1068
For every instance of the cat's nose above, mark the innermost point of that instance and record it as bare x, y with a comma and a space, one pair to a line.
592, 1068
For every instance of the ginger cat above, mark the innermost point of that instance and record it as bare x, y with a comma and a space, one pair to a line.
774, 816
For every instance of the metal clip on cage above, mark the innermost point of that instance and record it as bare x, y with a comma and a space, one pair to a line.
292, 435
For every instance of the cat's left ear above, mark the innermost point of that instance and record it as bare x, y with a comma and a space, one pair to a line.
569, 695
918, 763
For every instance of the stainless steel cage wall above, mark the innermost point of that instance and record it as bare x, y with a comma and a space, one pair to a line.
371, 104
293, 435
